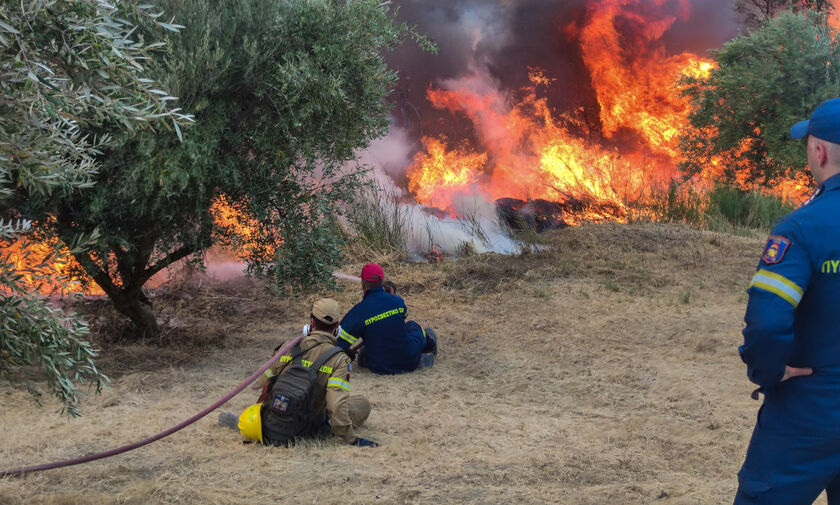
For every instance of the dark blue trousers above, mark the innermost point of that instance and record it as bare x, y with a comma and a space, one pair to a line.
784, 467
422, 342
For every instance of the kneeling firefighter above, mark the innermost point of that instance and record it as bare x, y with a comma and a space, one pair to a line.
307, 393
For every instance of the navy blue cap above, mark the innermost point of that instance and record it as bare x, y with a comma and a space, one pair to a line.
824, 123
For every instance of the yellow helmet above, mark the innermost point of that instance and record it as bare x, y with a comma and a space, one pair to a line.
250, 423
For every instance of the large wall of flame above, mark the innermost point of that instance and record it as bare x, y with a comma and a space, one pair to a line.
508, 37
577, 97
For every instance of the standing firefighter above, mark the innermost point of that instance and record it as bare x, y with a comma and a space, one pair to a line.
307, 393
392, 345
792, 339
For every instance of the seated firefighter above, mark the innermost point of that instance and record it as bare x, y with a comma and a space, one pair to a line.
392, 345
307, 392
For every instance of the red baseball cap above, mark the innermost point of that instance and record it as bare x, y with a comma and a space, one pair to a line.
372, 273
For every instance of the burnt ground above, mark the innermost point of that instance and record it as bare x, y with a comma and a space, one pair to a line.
602, 369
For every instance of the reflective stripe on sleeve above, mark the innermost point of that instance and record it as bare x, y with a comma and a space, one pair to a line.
778, 285
269, 373
338, 383
346, 336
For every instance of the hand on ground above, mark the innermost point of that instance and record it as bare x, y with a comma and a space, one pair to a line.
362, 442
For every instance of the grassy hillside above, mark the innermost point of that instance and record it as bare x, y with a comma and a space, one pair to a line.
601, 370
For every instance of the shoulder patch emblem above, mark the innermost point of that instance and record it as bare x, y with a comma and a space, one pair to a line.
775, 249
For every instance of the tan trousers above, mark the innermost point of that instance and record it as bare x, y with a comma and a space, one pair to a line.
359, 407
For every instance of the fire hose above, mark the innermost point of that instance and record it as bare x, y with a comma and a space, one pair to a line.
166, 433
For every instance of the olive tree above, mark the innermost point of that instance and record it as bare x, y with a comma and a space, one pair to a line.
283, 93
71, 72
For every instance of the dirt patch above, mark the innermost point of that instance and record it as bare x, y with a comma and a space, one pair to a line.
602, 369
195, 317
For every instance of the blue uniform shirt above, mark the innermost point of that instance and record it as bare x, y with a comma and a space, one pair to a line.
793, 316
379, 319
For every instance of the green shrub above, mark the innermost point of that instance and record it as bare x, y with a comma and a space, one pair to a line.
725, 208
733, 210
678, 203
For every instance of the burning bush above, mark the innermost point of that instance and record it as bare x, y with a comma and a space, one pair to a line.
765, 82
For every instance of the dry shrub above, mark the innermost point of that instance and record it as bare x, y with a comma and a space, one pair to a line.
195, 317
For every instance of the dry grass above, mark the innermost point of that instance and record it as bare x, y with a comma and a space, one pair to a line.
602, 370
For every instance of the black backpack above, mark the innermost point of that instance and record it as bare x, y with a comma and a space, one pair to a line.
287, 412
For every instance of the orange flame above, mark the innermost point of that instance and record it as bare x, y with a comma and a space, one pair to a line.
444, 172
639, 93
40, 265
525, 150
38, 262
833, 17
245, 230
528, 154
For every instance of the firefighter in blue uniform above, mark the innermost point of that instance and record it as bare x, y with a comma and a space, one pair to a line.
392, 345
792, 339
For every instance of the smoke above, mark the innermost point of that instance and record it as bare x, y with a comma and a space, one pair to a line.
389, 155
478, 227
